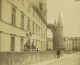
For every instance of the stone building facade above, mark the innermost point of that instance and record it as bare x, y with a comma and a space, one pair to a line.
67, 43
18, 19
72, 43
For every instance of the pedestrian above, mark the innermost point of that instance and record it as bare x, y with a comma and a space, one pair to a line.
37, 49
58, 54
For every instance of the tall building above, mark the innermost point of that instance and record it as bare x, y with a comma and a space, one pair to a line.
57, 31
58, 35
18, 19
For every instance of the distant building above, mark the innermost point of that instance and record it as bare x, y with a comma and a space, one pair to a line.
49, 44
18, 19
68, 43
72, 43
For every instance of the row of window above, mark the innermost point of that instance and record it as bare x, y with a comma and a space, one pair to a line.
35, 14
72, 45
22, 18
38, 29
31, 10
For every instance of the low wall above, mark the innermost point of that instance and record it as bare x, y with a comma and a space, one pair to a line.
24, 58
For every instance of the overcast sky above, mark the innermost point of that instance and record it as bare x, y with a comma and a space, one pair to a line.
70, 15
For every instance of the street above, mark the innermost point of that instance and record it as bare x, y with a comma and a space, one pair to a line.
72, 59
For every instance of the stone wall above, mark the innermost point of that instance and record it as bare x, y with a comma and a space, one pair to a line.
24, 58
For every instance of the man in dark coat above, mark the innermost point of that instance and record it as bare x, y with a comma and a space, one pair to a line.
58, 54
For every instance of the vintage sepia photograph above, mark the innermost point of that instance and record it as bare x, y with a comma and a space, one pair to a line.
39, 32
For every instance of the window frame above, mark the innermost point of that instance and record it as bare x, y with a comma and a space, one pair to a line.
28, 26
22, 21
13, 16
12, 43
0, 7
22, 44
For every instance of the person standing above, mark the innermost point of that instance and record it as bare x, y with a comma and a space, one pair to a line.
58, 54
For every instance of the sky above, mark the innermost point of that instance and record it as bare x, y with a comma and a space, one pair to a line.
70, 15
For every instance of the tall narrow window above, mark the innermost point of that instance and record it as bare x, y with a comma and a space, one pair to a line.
29, 8
22, 44
0, 41
22, 21
41, 45
39, 19
12, 43
36, 16
44, 34
40, 5
33, 13
28, 25
39, 30
33, 27
36, 29
13, 16
0, 8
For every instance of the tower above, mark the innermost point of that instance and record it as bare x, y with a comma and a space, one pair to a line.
59, 34
57, 31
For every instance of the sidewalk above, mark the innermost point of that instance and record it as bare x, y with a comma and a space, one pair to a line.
52, 61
